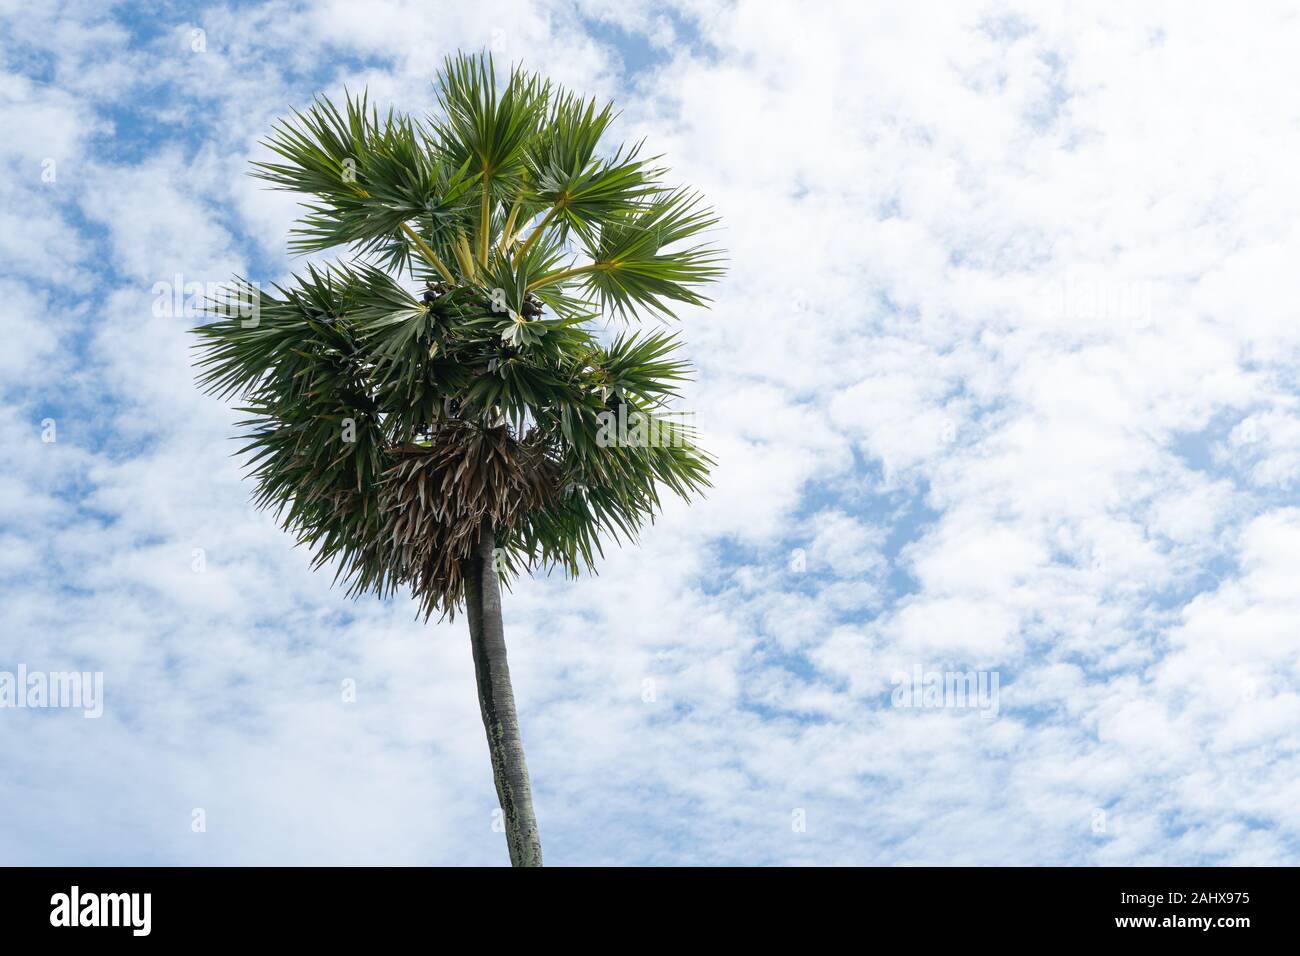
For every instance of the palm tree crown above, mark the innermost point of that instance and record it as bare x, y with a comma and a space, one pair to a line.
387, 427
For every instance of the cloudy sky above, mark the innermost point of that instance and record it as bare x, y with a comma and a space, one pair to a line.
1002, 380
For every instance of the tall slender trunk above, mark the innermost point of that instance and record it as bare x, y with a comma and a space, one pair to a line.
496, 701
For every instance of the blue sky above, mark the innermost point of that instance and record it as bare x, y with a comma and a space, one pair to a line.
1002, 379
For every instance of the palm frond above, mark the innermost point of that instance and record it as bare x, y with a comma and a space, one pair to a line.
383, 425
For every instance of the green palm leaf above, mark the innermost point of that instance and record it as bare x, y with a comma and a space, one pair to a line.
449, 366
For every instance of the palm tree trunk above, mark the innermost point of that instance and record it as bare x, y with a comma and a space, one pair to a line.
496, 701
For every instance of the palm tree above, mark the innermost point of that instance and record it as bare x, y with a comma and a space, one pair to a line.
445, 439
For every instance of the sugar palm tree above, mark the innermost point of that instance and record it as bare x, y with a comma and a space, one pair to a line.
447, 405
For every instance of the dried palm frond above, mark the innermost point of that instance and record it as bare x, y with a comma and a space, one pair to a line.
435, 498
